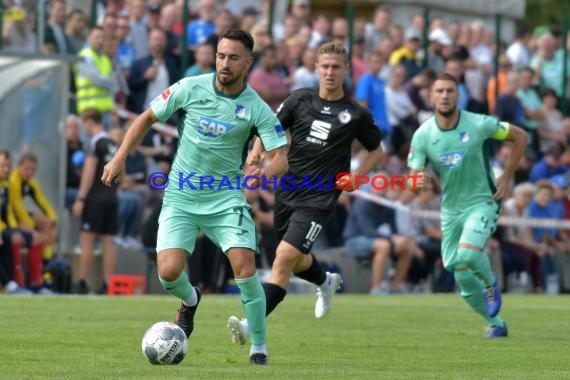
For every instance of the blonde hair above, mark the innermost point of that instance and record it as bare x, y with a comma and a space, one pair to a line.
333, 48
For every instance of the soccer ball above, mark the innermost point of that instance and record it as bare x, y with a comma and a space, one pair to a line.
164, 343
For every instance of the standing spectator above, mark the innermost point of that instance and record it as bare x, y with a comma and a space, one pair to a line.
509, 107
138, 33
224, 21
94, 80
152, 74
532, 106
55, 40
267, 81
166, 23
23, 185
500, 79
199, 30
75, 30
321, 30
306, 75
125, 51
401, 110
439, 46
96, 203
407, 54
378, 29
75, 159
548, 65
518, 51
370, 92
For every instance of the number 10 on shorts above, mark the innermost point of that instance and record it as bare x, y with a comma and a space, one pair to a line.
314, 231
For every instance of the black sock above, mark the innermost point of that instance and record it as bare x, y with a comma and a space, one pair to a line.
315, 274
274, 294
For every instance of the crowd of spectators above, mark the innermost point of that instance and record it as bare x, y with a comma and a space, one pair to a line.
390, 75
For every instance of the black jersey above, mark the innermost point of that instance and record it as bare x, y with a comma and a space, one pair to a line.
102, 147
322, 133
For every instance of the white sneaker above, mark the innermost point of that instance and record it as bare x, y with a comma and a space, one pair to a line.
239, 330
325, 294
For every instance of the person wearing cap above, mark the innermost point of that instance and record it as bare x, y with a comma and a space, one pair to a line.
440, 45
548, 166
407, 54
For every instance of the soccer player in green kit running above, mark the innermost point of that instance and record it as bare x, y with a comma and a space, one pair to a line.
455, 142
219, 115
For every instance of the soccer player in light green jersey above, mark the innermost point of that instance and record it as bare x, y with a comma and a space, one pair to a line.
456, 144
219, 115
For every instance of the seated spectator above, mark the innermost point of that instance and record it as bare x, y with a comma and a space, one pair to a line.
505, 66
23, 185
371, 227
551, 130
548, 238
418, 89
12, 239
532, 106
548, 166
520, 253
509, 107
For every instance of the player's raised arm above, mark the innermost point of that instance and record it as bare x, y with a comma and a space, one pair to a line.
519, 138
114, 170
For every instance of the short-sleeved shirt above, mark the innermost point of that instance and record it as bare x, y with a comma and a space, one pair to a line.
214, 132
103, 148
322, 133
461, 158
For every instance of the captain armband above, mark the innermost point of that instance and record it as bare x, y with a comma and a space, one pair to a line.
502, 132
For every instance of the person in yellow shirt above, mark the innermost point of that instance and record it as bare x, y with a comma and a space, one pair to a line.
22, 185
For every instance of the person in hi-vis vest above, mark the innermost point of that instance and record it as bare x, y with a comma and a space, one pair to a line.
96, 86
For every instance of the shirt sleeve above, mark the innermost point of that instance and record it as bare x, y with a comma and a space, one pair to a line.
169, 101
361, 92
269, 129
17, 201
417, 158
286, 111
494, 129
368, 133
42, 201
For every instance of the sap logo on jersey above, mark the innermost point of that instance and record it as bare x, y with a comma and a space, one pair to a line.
213, 128
451, 159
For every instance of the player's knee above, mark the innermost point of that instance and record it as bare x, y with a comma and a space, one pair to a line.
285, 260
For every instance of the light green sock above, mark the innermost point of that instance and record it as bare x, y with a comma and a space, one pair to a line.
478, 262
253, 298
181, 288
472, 293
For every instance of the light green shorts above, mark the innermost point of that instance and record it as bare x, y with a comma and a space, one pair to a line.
473, 227
234, 228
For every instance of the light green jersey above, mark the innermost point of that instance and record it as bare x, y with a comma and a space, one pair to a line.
461, 158
214, 131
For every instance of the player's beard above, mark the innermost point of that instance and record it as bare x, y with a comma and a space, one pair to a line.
228, 80
447, 113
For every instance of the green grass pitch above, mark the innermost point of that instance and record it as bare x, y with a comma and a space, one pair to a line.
395, 337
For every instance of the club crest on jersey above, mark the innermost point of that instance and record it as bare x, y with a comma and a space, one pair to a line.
240, 111
344, 117
451, 160
212, 128
463, 137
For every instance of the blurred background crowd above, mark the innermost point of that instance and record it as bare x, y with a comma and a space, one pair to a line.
133, 49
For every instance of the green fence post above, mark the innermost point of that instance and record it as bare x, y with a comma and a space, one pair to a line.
350, 19
184, 49
497, 44
565, 23
271, 20
1, 24
425, 37
93, 13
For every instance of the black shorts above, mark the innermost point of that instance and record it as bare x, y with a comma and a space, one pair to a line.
299, 227
100, 218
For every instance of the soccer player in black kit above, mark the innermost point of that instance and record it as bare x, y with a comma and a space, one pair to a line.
321, 125
96, 204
